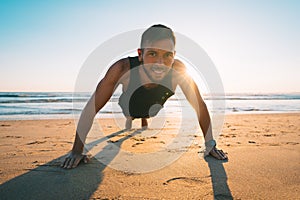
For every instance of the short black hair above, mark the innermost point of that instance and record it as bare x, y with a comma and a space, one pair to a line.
157, 32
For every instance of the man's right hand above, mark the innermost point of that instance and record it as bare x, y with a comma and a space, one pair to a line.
73, 159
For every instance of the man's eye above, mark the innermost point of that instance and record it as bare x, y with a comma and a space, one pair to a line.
169, 55
152, 54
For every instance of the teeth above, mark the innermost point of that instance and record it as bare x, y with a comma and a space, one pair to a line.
157, 70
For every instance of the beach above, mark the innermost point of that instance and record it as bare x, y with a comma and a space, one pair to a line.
263, 151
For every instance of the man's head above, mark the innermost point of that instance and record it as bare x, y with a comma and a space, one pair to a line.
157, 51
155, 33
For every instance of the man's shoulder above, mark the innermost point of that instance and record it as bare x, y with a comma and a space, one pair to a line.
122, 65
179, 66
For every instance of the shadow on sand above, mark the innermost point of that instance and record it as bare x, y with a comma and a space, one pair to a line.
49, 181
218, 178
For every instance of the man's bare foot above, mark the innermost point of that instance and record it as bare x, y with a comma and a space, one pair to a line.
144, 123
128, 124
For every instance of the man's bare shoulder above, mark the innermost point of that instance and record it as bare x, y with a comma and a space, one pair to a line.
179, 66
121, 66
117, 70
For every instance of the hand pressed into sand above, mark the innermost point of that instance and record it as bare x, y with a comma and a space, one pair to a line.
218, 154
73, 159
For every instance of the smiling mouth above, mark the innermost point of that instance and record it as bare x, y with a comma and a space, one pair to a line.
158, 69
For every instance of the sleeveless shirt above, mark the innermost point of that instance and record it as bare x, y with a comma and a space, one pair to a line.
141, 102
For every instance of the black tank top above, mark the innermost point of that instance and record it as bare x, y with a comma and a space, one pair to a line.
140, 102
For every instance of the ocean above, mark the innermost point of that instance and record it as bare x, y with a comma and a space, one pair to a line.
62, 105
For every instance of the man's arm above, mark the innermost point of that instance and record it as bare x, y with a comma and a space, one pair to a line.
191, 92
104, 91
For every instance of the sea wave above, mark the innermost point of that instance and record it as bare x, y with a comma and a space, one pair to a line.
255, 97
30, 104
43, 100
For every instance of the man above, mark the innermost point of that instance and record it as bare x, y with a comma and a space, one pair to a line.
147, 82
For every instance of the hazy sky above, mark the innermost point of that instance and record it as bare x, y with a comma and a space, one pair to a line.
255, 45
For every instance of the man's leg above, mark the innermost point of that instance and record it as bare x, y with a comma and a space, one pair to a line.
144, 123
128, 123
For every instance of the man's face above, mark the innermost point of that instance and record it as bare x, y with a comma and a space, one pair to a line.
158, 58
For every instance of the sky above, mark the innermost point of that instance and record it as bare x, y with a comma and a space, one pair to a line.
254, 44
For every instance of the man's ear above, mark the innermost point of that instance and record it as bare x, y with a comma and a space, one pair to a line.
140, 53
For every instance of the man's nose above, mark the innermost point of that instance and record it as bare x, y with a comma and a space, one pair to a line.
160, 60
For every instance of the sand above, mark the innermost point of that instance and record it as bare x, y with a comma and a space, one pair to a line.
263, 151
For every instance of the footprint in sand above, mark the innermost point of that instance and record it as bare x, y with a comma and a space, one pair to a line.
138, 139
44, 150
138, 143
11, 136
229, 136
112, 141
205, 179
274, 144
5, 125
36, 142
292, 143
269, 135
